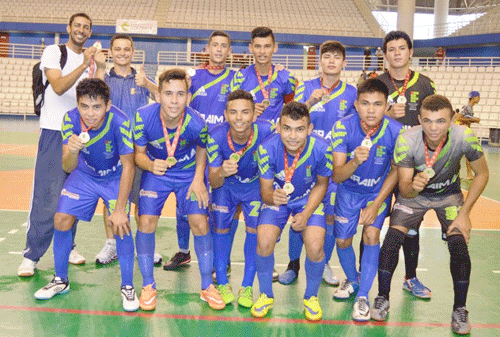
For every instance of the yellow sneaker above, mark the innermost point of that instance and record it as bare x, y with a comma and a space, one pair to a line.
148, 298
312, 309
262, 306
212, 296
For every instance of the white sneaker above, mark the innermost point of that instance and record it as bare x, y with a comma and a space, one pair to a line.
27, 268
346, 290
107, 253
157, 258
361, 310
76, 258
130, 301
329, 277
55, 287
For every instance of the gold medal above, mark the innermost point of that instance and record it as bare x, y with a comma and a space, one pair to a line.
84, 137
171, 161
98, 45
401, 100
235, 157
326, 98
430, 172
288, 188
266, 102
367, 142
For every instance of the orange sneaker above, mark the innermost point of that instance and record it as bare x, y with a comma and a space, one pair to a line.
148, 298
212, 296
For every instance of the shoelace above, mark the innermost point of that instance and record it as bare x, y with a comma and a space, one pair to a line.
363, 305
345, 284
378, 302
462, 315
108, 249
129, 293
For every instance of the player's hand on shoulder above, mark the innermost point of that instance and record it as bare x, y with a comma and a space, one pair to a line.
280, 197
75, 144
420, 180
229, 167
299, 222
159, 167
361, 154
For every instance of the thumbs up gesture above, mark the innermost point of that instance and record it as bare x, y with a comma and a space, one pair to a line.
140, 77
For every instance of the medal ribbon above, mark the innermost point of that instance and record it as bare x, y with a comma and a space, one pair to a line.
86, 128
430, 162
265, 92
209, 67
171, 147
290, 171
370, 132
231, 145
329, 90
91, 68
402, 92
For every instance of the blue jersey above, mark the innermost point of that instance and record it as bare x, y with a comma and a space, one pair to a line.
209, 94
149, 133
219, 150
282, 83
100, 157
347, 135
125, 94
315, 159
324, 116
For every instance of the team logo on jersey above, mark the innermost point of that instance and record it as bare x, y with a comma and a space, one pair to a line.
308, 171
70, 195
109, 145
148, 194
218, 208
132, 91
182, 142
156, 145
274, 93
202, 92
414, 96
224, 89
343, 104
380, 152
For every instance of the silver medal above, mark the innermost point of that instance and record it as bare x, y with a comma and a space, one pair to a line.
288, 188
84, 137
430, 172
401, 100
367, 142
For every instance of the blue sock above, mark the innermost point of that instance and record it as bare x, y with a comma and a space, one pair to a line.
348, 262
250, 251
314, 273
182, 231
329, 243
62, 247
265, 266
369, 266
232, 232
125, 251
145, 245
295, 244
222, 247
203, 246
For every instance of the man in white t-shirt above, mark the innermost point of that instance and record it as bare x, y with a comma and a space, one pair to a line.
60, 97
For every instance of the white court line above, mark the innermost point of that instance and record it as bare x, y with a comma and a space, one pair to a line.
24, 224
14, 148
422, 269
14, 231
1, 239
15, 253
496, 271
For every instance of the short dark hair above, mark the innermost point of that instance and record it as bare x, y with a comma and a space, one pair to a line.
436, 102
262, 32
372, 85
173, 74
121, 36
240, 94
396, 35
296, 111
93, 88
332, 47
219, 33
83, 15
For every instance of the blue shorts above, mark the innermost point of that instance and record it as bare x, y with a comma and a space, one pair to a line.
156, 189
81, 192
226, 199
329, 199
278, 215
348, 206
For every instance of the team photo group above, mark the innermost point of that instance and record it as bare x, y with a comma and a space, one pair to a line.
323, 156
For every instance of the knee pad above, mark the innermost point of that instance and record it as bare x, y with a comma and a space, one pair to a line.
458, 248
394, 239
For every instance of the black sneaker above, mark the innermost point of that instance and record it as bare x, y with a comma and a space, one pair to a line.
177, 260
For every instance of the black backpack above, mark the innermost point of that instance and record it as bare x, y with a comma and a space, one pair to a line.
38, 85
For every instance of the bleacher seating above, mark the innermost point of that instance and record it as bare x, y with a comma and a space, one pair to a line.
486, 24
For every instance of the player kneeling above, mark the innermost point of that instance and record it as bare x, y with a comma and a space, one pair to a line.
92, 129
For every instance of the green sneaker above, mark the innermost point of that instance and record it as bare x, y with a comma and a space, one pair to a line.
245, 297
226, 293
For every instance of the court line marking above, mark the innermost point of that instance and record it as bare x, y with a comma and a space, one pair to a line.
15, 148
1, 239
496, 271
15, 253
24, 224
237, 319
14, 231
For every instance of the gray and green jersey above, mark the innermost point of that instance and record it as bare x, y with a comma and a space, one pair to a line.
410, 153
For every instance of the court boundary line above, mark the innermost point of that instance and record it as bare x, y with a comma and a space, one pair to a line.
237, 319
